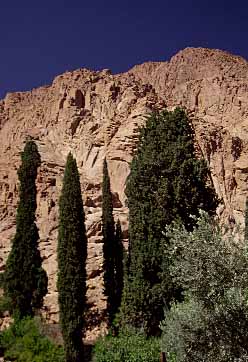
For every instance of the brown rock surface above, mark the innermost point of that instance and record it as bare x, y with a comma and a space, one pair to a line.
94, 115
97, 114
212, 85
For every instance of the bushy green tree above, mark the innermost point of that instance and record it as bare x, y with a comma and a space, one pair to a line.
25, 281
112, 250
205, 261
72, 253
129, 346
212, 323
23, 341
167, 182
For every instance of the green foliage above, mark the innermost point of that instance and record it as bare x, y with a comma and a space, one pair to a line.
129, 346
167, 182
108, 232
119, 266
23, 342
246, 221
72, 253
181, 329
25, 281
192, 333
212, 323
1, 280
5, 305
206, 262
112, 251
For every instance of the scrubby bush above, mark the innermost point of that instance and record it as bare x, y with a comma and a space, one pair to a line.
193, 334
212, 323
129, 346
207, 262
24, 343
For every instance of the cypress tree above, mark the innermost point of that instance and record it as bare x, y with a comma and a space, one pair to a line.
166, 182
112, 251
72, 253
108, 231
25, 281
119, 267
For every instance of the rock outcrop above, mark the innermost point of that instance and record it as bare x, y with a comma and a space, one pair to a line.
213, 86
97, 115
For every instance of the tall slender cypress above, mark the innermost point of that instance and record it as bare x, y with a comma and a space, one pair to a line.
108, 231
72, 253
119, 265
167, 182
25, 281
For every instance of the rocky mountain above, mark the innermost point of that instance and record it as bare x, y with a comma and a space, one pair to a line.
97, 115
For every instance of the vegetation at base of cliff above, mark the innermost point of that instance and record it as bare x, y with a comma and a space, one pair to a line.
129, 346
183, 275
72, 254
211, 324
23, 342
25, 281
167, 182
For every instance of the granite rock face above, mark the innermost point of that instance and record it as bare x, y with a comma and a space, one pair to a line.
97, 115
213, 86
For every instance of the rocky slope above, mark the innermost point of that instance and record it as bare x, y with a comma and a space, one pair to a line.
97, 115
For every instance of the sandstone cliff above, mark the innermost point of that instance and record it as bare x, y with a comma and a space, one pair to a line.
97, 114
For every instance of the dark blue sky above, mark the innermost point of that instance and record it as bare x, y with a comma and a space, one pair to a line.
40, 39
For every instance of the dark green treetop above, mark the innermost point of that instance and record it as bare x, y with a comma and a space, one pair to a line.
72, 253
25, 281
166, 183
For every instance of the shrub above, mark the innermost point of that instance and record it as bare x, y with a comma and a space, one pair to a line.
23, 342
212, 323
129, 346
178, 328
193, 334
206, 261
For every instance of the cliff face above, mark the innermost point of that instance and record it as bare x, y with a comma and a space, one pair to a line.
94, 115
213, 86
97, 115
